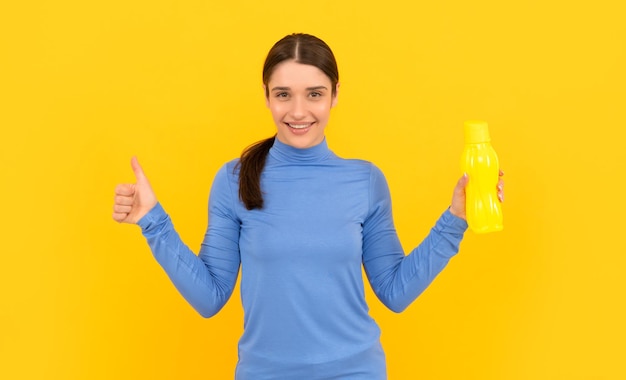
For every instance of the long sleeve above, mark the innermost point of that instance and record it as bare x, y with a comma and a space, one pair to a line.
397, 279
206, 281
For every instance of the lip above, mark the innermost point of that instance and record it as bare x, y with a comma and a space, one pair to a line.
300, 131
308, 124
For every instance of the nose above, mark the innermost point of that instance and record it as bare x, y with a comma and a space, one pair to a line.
298, 109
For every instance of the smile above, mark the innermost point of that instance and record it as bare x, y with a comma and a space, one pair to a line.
299, 126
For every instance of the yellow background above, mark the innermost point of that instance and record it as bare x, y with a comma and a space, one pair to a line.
86, 85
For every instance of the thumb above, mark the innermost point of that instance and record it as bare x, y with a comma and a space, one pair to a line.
139, 174
462, 183
457, 206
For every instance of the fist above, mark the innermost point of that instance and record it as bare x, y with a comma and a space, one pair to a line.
457, 206
133, 201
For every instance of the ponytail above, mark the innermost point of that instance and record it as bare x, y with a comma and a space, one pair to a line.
251, 166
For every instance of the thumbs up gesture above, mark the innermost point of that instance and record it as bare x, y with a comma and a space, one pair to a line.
133, 201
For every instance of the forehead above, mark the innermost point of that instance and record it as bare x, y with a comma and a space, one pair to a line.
293, 74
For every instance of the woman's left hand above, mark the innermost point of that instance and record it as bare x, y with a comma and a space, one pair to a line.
457, 207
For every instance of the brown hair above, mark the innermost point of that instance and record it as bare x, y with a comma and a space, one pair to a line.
302, 48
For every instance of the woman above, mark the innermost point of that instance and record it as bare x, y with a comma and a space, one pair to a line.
300, 221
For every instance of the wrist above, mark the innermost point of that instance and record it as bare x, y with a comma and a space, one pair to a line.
456, 212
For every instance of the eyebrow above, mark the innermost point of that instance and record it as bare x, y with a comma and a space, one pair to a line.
308, 88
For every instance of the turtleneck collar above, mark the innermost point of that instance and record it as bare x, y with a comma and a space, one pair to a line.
288, 153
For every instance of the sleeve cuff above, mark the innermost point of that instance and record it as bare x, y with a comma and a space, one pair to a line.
452, 223
153, 218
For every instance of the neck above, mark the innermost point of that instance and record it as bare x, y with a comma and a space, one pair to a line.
284, 152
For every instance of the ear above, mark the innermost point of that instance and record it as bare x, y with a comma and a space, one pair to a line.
266, 96
334, 101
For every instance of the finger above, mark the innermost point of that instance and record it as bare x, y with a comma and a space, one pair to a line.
459, 189
120, 216
125, 190
500, 173
137, 169
462, 182
457, 207
121, 209
124, 200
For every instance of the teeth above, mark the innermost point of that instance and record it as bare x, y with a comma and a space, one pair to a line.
299, 126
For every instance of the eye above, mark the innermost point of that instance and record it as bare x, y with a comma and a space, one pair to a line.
281, 95
315, 94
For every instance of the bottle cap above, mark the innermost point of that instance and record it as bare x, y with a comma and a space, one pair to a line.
476, 132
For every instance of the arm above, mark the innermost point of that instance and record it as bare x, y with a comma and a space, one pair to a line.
205, 281
397, 279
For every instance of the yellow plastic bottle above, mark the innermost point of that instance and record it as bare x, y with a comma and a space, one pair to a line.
482, 207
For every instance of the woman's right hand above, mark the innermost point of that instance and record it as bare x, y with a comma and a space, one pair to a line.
133, 201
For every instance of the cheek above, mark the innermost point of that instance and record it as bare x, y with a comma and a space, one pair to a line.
277, 110
323, 110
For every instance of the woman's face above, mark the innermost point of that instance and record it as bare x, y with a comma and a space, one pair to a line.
300, 98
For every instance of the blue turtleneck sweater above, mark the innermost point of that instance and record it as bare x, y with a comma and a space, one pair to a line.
305, 315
